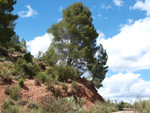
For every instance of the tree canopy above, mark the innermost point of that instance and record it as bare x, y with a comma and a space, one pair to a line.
75, 42
7, 19
75, 36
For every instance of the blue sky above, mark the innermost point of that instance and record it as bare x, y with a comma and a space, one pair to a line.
123, 27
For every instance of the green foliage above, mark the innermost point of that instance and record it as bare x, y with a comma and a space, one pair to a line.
14, 44
75, 36
31, 69
32, 105
73, 87
81, 101
21, 81
42, 66
142, 105
41, 76
14, 92
98, 69
5, 106
24, 68
64, 87
51, 79
75, 43
61, 105
50, 57
28, 57
63, 72
57, 92
7, 90
106, 107
5, 74
23, 46
7, 19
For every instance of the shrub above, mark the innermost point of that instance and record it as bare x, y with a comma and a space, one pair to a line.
21, 81
31, 70
9, 65
81, 101
142, 105
73, 87
37, 81
5, 74
28, 57
61, 105
2, 58
7, 90
32, 105
64, 87
28, 69
15, 92
41, 76
105, 107
42, 66
63, 72
11, 50
57, 92
5, 106
66, 72
51, 77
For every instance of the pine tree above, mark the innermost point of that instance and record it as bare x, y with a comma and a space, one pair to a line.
75, 36
7, 21
75, 42
99, 68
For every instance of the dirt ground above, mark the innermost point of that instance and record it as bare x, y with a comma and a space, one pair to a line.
127, 110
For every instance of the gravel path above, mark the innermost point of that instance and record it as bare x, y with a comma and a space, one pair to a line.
127, 110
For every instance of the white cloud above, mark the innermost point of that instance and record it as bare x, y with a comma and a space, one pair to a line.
144, 6
40, 43
125, 87
105, 6
99, 15
130, 21
59, 19
60, 8
29, 13
118, 2
130, 49
106, 18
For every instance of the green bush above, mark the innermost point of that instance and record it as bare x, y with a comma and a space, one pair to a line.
36, 81
61, 105
28, 69
51, 77
31, 70
142, 105
57, 92
32, 105
42, 66
63, 72
21, 81
5, 106
64, 87
73, 87
15, 92
106, 107
5, 74
7, 90
28, 57
41, 76
81, 101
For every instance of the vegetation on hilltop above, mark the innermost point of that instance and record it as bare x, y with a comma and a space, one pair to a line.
72, 52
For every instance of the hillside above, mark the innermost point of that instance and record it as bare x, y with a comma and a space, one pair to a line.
34, 90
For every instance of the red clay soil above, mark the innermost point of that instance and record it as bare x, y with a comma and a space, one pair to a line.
31, 92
